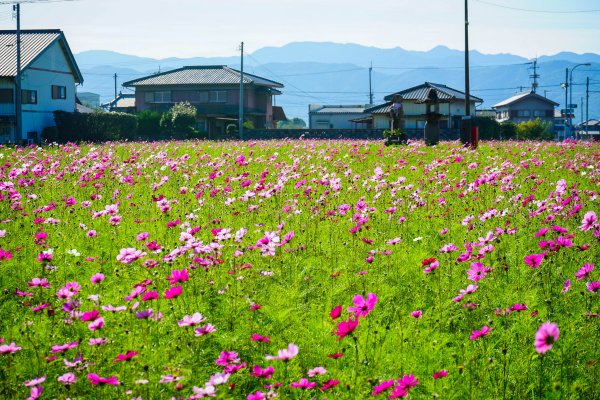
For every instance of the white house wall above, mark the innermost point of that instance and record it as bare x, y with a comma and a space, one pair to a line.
51, 68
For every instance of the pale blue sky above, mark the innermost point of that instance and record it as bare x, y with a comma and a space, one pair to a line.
185, 28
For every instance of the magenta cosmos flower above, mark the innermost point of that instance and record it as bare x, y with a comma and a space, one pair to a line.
98, 380
584, 272
344, 328
484, 331
362, 307
589, 219
534, 260
545, 337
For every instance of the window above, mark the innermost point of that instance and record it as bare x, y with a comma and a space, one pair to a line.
149, 97
523, 113
6, 96
59, 92
28, 96
420, 124
217, 96
203, 97
162, 97
539, 113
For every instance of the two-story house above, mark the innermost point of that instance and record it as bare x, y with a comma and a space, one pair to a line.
49, 74
413, 102
215, 92
524, 107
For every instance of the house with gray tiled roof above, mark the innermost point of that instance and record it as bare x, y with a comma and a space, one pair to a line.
334, 116
413, 103
49, 74
525, 106
214, 90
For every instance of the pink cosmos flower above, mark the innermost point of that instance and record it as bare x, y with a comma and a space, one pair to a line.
192, 320
226, 358
483, 332
98, 380
173, 292
330, 384
5, 255
589, 219
382, 387
67, 379
316, 371
151, 295
534, 260
97, 278
363, 307
416, 314
35, 282
285, 354
259, 372
545, 337
584, 272
35, 382
430, 264
63, 347
129, 255
35, 392
258, 395
178, 276
255, 337
344, 328
566, 286
593, 287
440, 374
126, 357
335, 312
303, 384
477, 272
97, 341
204, 330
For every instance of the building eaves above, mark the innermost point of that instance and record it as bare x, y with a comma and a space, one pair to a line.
33, 44
522, 96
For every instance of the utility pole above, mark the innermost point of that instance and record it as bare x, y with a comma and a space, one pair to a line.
535, 76
241, 112
370, 87
18, 106
115, 76
467, 129
587, 107
566, 102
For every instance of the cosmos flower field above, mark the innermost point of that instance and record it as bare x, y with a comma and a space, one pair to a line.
300, 270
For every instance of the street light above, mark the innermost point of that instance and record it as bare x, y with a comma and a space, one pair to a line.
571, 91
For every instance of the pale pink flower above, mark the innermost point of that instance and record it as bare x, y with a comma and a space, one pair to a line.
285, 354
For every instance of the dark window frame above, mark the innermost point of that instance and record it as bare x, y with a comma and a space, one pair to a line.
28, 96
59, 92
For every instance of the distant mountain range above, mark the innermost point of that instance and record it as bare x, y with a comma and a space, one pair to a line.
333, 73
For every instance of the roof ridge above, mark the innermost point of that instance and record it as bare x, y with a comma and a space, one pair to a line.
25, 31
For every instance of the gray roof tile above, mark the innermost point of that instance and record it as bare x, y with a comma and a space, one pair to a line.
421, 92
201, 75
33, 44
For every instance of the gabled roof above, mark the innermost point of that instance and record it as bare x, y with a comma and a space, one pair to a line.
522, 96
201, 75
123, 100
33, 44
384, 108
422, 92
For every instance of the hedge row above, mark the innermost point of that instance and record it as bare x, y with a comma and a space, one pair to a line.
93, 127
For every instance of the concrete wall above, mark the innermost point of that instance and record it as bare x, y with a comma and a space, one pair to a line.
332, 120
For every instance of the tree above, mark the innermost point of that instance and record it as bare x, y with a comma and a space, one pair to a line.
508, 130
535, 130
294, 123
184, 117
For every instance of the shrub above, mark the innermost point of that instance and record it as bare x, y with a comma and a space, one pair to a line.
394, 134
535, 130
166, 123
249, 125
94, 127
149, 123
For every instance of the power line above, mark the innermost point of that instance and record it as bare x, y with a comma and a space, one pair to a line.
489, 3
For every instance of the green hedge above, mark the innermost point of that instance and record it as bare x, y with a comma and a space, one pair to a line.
93, 127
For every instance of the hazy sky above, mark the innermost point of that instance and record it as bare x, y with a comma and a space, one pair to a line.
185, 28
